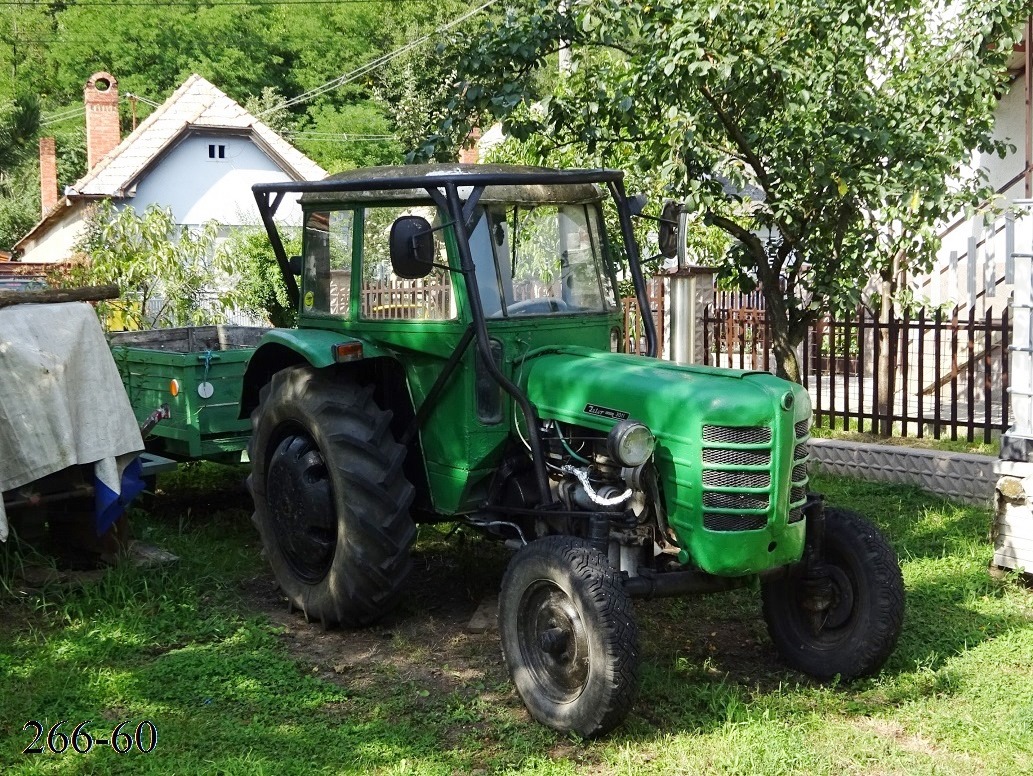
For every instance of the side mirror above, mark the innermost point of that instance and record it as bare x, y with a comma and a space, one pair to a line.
637, 204
294, 263
669, 229
412, 247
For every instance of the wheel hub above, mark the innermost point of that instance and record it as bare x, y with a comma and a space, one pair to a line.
827, 598
300, 499
554, 642
842, 599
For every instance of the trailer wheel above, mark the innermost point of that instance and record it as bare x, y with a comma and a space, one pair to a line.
569, 636
856, 634
331, 502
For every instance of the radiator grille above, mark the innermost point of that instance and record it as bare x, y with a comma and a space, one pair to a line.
721, 479
798, 493
739, 473
718, 522
735, 500
742, 458
737, 435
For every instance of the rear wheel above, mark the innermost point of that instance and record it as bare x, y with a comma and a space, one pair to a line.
331, 502
857, 632
569, 636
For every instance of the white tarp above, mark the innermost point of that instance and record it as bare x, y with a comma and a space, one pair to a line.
61, 400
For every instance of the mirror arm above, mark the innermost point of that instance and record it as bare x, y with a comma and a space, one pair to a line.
657, 219
628, 232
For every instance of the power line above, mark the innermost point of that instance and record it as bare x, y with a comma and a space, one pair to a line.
131, 96
340, 136
373, 64
61, 117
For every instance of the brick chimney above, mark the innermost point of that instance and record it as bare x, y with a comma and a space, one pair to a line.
102, 130
47, 174
471, 151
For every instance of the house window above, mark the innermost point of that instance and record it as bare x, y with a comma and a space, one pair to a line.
216, 151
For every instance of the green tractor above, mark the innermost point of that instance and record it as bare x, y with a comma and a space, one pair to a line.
455, 360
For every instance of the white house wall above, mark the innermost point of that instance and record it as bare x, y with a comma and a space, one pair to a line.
973, 267
57, 243
199, 188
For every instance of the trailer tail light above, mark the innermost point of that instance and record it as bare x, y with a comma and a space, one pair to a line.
174, 388
346, 351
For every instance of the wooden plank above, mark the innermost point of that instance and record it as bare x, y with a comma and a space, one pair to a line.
1015, 546
57, 295
1015, 525
1012, 562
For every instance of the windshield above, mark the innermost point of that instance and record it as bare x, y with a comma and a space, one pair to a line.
540, 260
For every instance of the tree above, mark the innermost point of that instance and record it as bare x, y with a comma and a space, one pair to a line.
168, 275
827, 137
261, 290
19, 124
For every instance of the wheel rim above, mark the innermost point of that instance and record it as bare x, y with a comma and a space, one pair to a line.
842, 607
553, 641
833, 625
301, 504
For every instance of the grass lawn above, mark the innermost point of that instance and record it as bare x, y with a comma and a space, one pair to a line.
235, 685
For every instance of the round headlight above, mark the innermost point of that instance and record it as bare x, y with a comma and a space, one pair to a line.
630, 443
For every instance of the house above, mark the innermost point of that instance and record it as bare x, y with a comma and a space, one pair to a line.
975, 267
198, 154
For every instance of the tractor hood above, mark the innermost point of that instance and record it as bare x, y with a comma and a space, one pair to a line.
597, 389
730, 445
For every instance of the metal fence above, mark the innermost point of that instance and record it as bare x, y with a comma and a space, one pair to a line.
634, 332
943, 374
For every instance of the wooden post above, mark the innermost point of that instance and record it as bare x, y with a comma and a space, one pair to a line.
55, 295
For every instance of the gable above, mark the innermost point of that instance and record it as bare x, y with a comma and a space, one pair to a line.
208, 175
196, 106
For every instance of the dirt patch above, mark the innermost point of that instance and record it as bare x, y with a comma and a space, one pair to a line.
425, 642
426, 648
909, 742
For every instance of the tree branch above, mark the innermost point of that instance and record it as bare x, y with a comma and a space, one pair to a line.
732, 127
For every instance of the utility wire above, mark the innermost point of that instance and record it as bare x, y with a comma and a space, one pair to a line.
373, 64
131, 96
61, 117
65, 115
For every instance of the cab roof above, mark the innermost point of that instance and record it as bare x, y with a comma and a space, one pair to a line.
503, 183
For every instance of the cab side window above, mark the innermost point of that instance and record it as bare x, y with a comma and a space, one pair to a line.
385, 296
326, 275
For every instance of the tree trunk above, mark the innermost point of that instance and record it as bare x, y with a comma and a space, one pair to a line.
785, 337
787, 365
886, 365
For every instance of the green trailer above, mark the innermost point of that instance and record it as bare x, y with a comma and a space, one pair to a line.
196, 372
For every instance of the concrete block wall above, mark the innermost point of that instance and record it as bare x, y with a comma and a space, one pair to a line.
959, 476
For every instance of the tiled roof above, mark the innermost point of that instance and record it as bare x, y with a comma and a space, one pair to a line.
196, 105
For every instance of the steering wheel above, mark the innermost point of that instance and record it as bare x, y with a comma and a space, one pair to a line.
544, 304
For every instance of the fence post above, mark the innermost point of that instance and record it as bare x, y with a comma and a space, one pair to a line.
1013, 496
692, 289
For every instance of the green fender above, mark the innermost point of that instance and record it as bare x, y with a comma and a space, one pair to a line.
281, 348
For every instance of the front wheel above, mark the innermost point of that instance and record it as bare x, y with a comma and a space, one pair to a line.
855, 634
569, 636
